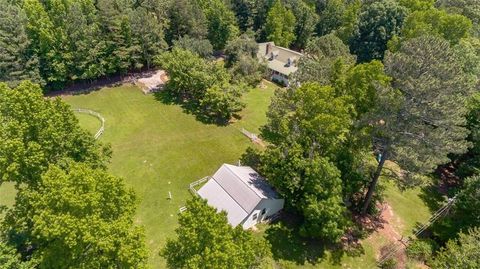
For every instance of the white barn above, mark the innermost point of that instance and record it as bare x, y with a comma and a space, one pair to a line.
240, 191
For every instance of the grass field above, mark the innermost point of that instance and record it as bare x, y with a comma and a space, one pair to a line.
158, 148
89, 122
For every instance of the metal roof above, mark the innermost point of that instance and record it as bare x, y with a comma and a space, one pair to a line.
237, 190
217, 197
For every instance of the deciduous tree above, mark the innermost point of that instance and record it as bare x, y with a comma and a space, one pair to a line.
320, 56
77, 217
460, 253
280, 25
221, 22
452, 27
379, 21
205, 239
35, 132
201, 47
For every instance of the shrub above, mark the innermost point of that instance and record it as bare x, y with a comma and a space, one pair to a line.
421, 249
391, 263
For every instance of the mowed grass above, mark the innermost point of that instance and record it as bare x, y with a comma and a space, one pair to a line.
159, 148
89, 122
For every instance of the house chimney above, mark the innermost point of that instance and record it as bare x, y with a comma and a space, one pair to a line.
268, 48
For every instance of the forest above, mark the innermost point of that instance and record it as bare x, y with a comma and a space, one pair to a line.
387, 89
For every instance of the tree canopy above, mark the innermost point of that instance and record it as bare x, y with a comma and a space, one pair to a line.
379, 21
202, 86
35, 132
460, 253
306, 126
321, 54
205, 239
420, 120
77, 217
280, 25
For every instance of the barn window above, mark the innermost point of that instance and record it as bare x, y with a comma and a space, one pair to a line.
255, 216
264, 211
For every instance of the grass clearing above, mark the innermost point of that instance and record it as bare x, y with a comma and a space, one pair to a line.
159, 148
88, 122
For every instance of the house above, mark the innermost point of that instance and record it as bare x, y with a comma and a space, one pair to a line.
240, 191
281, 62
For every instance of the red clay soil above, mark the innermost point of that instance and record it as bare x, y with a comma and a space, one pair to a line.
390, 232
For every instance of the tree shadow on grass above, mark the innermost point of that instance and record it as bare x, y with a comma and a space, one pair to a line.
432, 197
287, 244
190, 107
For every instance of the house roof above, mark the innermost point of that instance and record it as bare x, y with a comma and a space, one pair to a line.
279, 62
237, 190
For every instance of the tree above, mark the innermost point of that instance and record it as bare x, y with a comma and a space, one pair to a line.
244, 12
222, 101
35, 132
82, 40
360, 84
280, 25
248, 70
17, 60
379, 21
417, 5
460, 253
421, 118
339, 17
77, 217
311, 115
203, 87
452, 27
242, 45
222, 25
320, 56
41, 32
306, 127
201, 47
464, 213
186, 18
470, 162
306, 19
331, 17
205, 239
468, 8
10, 259
311, 185
148, 35
190, 76
122, 51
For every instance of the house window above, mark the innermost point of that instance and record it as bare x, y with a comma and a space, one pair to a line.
264, 211
255, 216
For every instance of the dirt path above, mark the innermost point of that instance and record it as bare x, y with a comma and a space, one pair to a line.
390, 231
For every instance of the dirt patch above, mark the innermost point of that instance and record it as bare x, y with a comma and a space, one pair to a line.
385, 234
152, 82
390, 231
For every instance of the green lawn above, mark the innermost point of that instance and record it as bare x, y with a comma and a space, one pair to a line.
89, 122
158, 148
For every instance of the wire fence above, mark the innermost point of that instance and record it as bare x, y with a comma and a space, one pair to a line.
96, 115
